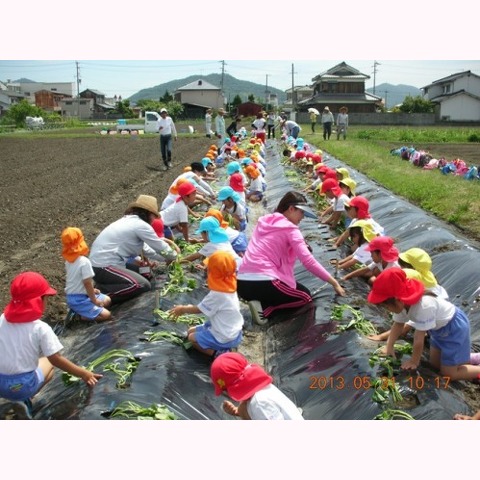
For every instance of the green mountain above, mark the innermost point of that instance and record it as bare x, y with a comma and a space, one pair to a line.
394, 94
231, 86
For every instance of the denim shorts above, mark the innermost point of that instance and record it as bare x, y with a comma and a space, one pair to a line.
21, 386
82, 305
205, 339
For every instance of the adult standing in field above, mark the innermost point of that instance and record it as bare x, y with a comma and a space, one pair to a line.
128, 237
167, 131
313, 120
208, 123
342, 123
327, 122
220, 130
272, 121
266, 277
292, 129
259, 125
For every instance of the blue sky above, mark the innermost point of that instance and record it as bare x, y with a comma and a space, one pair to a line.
121, 77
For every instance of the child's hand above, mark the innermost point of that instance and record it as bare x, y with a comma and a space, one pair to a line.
230, 408
91, 378
176, 311
409, 365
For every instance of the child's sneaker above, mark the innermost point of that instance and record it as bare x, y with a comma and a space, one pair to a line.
257, 312
475, 358
70, 317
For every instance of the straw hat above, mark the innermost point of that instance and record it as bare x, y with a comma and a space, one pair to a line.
147, 202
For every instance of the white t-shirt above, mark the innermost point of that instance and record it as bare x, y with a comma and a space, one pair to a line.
23, 344
361, 255
210, 248
223, 311
76, 273
339, 202
379, 265
175, 214
256, 184
270, 403
430, 313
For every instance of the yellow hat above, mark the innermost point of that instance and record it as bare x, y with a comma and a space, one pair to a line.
420, 260
349, 182
343, 172
367, 229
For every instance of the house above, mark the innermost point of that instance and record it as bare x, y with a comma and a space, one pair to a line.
456, 97
77, 107
49, 100
299, 94
100, 105
29, 88
9, 98
248, 109
197, 96
341, 85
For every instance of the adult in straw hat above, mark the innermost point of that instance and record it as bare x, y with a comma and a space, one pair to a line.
116, 254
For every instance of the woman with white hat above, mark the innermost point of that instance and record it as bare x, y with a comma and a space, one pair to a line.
327, 122
130, 236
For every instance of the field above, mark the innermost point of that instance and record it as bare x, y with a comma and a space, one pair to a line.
49, 182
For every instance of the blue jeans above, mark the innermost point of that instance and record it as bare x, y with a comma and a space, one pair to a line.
166, 148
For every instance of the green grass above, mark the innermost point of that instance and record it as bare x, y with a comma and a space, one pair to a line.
452, 199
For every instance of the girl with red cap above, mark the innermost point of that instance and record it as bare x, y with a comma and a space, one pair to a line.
447, 325
82, 298
331, 189
384, 255
223, 329
250, 385
30, 349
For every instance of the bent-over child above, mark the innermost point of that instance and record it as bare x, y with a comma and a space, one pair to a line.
223, 329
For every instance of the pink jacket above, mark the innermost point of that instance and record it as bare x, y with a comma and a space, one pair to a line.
275, 245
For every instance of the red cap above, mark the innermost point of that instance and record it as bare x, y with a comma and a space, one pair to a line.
385, 245
236, 182
241, 380
157, 225
186, 188
394, 283
27, 290
362, 206
329, 184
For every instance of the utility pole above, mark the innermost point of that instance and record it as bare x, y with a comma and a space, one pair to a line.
223, 76
293, 90
78, 90
375, 63
267, 96
386, 93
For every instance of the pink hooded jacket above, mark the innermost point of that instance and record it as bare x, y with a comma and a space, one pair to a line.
275, 245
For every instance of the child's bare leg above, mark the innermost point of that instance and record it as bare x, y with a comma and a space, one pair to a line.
207, 351
104, 315
47, 369
461, 372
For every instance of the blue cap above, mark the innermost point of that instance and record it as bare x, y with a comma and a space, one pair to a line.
233, 167
216, 234
228, 192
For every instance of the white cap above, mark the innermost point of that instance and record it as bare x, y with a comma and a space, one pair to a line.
163, 110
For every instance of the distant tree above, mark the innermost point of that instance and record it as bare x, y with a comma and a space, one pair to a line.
18, 112
237, 100
167, 97
174, 109
149, 105
416, 105
251, 98
123, 107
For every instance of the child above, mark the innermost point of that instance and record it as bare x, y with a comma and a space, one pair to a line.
223, 329
30, 349
384, 255
237, 239
233, 207
361, 233
331, 189
357, 208
447, 325
215, 238
82, 297
176, 215
255, 189
250, 385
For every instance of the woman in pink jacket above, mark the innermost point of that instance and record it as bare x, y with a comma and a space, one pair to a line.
266, 277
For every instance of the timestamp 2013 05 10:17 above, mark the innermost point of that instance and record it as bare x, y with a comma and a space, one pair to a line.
357, 382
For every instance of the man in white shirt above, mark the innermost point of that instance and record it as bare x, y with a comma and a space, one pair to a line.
167, 130
208, 122
220, 131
